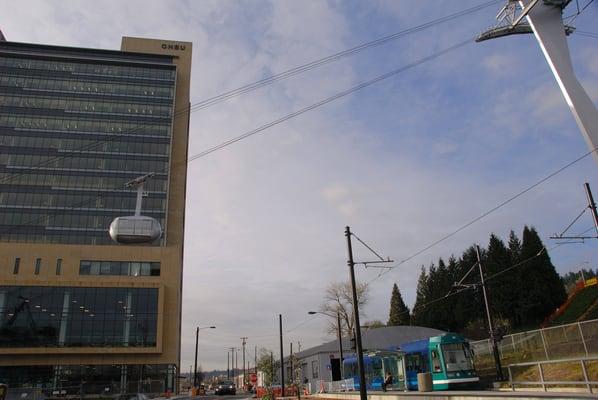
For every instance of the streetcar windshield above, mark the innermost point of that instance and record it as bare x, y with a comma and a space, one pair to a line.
457, 357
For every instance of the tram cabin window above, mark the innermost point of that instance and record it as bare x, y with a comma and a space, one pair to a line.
436, 367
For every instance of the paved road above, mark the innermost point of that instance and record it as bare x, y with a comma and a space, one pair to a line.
241, 396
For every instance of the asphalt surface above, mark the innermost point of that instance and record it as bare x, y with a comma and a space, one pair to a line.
240, 396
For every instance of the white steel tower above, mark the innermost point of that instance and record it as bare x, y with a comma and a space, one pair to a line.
545, 20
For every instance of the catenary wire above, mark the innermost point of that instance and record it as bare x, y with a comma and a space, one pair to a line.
587, 34
485, 214
274, 78
337, 56
329, 100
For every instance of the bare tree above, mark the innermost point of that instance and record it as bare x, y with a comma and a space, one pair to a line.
339, 299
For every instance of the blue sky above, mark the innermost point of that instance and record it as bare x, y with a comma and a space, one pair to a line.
402, 162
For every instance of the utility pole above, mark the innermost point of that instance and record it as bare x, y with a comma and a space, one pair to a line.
255, 356
592, 206
499, 375
232, 364
244, 339
236, 360
228, 365
281, 356
362, 389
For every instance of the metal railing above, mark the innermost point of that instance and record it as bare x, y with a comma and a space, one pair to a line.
579, 339
322, 386
542, 373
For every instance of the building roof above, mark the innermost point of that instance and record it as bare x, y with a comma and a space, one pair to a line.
115, 56
388, 337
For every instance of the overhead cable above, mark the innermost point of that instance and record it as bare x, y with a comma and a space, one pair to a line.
490, 211
274, 78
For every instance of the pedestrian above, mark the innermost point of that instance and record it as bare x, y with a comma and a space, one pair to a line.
387, 381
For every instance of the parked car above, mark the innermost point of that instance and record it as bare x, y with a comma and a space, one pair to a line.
225, 387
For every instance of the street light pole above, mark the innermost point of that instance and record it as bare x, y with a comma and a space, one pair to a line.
281, 356
196, 345
339, 333
195, 368
362, 389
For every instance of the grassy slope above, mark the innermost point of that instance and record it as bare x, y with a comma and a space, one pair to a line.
580, 305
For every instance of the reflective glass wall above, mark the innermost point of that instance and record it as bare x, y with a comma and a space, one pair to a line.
71, 380
72, 133
42, 316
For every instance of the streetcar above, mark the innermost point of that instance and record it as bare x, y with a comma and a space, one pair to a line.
447, 357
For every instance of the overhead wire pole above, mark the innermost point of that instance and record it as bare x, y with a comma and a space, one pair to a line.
358, 344
493, 338
362, 389
592, 206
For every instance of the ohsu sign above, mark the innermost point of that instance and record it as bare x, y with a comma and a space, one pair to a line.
173, 46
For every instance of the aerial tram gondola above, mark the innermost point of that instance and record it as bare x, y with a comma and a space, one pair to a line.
136, 228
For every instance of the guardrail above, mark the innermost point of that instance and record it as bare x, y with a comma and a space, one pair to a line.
344, 385
542, 379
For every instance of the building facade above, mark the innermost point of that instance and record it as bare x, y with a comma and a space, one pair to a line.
75, 126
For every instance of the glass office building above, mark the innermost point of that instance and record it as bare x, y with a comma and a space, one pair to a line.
80, 314
73, 133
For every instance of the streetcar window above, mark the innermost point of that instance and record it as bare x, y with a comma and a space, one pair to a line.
400, 372
414, 363
436, 367
457, 357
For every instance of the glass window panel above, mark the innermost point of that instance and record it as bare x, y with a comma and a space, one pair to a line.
155, 269
135, 269
105, 268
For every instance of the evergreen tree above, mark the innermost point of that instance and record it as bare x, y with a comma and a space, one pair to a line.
503, 290
543, 291
440, 314
515, 256
399, 312
419, 311
514, 248
451, 302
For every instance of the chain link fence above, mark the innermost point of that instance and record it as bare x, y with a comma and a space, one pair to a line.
579, 339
